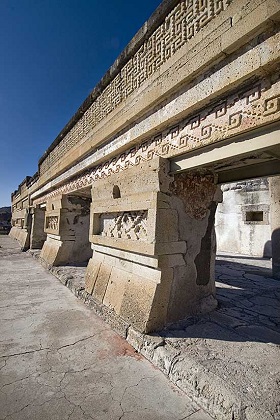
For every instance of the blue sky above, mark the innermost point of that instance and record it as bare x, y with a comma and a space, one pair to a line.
52, 54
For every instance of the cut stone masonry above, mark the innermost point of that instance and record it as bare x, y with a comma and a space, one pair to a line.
131, 184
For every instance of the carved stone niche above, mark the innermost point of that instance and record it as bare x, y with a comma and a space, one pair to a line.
67, 228
153, 244
52, 222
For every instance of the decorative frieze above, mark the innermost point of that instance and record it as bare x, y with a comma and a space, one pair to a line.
240, 112
182, 24
125, 225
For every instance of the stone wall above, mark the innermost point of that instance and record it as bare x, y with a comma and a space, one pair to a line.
243, 219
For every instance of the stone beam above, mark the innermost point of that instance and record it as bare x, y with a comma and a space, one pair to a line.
253, 142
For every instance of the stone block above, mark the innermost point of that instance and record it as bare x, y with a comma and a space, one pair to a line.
187, 297
91, 274
164, 357
167, 226
173, 260
150, 343
128, 256
137, 301
135, 338
56, 252
116, 288
147, 273
37, 236
102, 280
159, 310
49, 251
166, 248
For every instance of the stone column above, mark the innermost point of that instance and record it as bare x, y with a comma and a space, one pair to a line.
37, 235
274, 184
67, 228
193, 198
153, 244
21, 227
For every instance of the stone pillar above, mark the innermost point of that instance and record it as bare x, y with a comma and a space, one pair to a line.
153, 244
67, 228
37, 235
21, 227
274, 184
194, 196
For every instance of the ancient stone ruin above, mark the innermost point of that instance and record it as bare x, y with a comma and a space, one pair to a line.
130, 186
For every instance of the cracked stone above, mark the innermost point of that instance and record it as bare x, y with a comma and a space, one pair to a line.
59, 361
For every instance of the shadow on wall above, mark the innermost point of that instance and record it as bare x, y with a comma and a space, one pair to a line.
249, 307
275, 245
267, 250
275, 239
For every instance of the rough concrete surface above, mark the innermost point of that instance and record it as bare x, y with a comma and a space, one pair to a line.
227, 361
58, 360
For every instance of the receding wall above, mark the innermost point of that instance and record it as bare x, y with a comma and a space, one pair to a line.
243, 218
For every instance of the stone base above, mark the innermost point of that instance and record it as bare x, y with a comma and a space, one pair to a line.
67, 229
127, 288
144, 296
55, 252
154, 252
22, 236
58, 252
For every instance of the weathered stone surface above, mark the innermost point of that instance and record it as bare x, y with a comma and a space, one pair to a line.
243, 218
67, 228
37, 234
181, 284
210, 357
275, 225
61, 361
199, 83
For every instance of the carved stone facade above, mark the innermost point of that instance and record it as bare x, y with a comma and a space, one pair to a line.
239, 113
129, 187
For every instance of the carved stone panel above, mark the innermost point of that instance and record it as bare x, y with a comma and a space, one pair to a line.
126, 225
52, 222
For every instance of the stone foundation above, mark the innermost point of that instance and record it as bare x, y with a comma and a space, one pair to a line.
21, 235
